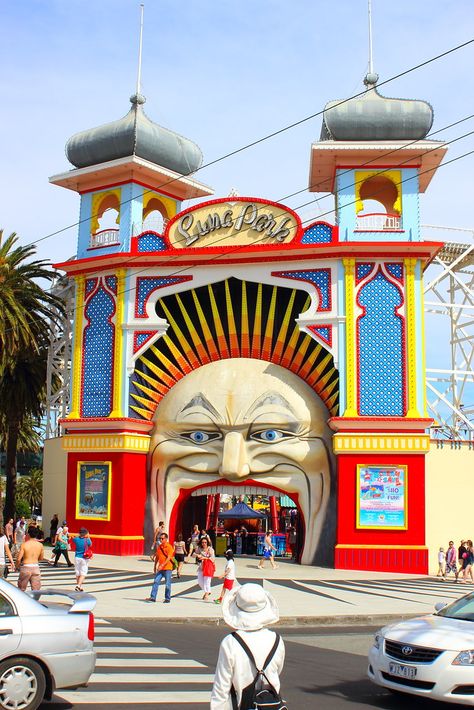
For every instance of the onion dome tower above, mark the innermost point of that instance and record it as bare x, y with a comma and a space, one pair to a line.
375, 157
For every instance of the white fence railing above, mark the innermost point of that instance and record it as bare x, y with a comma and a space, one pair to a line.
375, 222
105, 238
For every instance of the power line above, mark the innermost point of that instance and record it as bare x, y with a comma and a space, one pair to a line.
270, 135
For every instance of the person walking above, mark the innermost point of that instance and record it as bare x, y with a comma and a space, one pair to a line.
61, 547
162, 568
467, 562
206, 569
5, 553
9, 531
179, 553
228, 576
249, 609
82, 544
53, 528
441, 561
268, 549
29, 556
451, 565
462, 550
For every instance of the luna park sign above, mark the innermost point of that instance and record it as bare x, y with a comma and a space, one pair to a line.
233, 221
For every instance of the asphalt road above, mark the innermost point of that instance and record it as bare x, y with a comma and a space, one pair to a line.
139, 664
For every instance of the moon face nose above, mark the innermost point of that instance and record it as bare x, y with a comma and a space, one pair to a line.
234, 457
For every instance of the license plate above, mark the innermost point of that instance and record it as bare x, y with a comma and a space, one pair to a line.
402, 671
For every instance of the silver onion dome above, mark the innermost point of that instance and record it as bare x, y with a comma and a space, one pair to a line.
134, 134
372, 117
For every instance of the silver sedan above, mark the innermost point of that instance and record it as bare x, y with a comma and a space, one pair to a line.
44, 645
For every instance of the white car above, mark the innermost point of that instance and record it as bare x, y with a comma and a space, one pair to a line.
429, 656
43, 647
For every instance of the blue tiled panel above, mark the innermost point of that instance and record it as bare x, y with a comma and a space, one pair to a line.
320, 278
98, 356
150, 242
317, 234
380, 354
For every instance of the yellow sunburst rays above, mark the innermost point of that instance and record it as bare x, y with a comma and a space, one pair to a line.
289, 352
210, 343
162, 377
270, 327
187, 349
257, 325
200, 349
277, 352
231, 327
244, 325
221, 339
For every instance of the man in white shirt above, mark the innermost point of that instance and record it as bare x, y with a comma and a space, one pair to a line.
249, 609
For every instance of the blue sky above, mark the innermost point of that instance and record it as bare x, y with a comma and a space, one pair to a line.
223, 74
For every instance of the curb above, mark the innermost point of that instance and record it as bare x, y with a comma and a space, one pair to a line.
285, 621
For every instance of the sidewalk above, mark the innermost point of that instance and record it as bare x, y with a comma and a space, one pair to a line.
304, 594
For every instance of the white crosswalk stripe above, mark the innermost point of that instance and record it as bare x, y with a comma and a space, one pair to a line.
160, 678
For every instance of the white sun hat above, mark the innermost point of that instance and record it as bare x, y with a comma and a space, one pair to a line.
249, 608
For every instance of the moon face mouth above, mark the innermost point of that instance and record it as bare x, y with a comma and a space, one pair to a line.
310, 496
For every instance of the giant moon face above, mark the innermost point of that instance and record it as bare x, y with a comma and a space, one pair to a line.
242, 419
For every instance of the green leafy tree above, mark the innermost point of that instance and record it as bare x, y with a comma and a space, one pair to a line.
22, 508
30, 488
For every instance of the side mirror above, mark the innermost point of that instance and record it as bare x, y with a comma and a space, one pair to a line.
440, 605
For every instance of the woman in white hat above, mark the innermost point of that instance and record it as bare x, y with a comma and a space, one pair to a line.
248, 609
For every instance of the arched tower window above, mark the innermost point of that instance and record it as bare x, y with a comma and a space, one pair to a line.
378, 200
155, 216
102, 203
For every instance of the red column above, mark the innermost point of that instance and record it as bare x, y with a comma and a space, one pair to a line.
273, 513
209, 509
215, 517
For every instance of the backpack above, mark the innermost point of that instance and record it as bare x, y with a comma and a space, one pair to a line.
260, 694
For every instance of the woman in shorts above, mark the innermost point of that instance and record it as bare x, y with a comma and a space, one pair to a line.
179, 552
268, 550
228, 576
82, 544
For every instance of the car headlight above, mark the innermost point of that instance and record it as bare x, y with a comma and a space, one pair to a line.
465, 658
378, 640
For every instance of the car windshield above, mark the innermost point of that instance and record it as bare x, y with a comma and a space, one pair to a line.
462, 609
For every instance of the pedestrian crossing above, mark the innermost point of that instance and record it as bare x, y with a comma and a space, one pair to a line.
131, 671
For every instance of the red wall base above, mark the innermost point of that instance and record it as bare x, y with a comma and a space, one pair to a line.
118, 547
407, 560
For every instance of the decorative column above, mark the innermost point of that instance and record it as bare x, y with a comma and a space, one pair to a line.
215, 515
412, 410
209, 509
75, 412
117, 404
273, 513
351, 380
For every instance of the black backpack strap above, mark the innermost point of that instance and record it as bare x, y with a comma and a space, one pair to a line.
233, 697
249, 653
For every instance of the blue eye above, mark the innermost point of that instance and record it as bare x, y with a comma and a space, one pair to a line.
270, 436
201, 437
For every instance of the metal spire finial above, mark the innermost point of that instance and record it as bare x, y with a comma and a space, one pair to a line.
371, 76
139, 73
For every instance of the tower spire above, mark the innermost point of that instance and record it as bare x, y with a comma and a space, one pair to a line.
371, 77
140, 45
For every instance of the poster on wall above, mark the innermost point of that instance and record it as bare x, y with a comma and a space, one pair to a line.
93, 490
382, 497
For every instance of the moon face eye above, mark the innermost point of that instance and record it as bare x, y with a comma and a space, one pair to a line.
270, 436
200, 437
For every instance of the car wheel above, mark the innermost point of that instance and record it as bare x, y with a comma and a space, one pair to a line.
22, 684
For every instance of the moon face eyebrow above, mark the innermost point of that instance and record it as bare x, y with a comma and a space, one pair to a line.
199, 400
270, 399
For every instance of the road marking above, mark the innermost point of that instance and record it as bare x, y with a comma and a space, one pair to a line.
132, 698
148, 663
101, 621
112, 630
151, 678
132, 649
123, 639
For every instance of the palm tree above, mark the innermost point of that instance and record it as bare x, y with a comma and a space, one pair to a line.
30, 488
25, 308
22, 395
26, 312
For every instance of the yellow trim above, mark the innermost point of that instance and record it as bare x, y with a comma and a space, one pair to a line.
383, 443
79, 516
351, 385
75, 412
410, 316
169, 204
361, 176
117, 405
106, 442
381, 547
97, 199
405, 500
